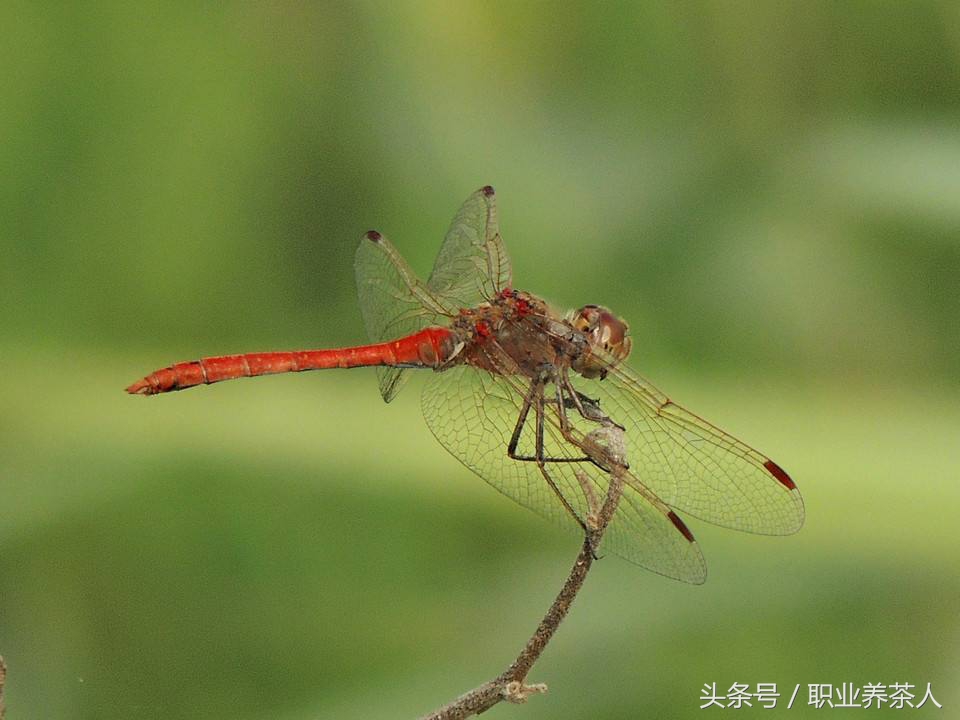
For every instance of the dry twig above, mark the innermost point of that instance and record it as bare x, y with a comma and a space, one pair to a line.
3, 681
510, 684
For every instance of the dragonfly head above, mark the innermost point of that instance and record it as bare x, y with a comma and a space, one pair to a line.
607, 334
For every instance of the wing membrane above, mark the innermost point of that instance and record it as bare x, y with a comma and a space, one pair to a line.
393, 301
694, 466
472, 265
473, 413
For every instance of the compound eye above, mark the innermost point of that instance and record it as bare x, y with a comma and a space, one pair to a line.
611, 330
585, 319
611, 335
605, 332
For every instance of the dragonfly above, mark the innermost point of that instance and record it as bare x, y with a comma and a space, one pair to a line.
539, 403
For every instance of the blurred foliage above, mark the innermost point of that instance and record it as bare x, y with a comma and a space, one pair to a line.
770, 192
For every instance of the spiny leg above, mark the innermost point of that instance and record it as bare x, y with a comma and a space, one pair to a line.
586, 485
588, 408
521, 419
536, 390
573, 398
561, 402
541, 463
606, 440
535, 397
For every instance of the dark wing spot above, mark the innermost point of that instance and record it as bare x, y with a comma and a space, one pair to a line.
487, 190
373, 236
679, 524
780, 475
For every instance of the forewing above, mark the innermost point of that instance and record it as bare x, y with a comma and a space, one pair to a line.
472, 265
393, 301
473, 414
694, 466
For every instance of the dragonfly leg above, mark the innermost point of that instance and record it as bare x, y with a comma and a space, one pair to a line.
536, 390
588, 408
521, 419
597, 452
575, 399
562, 406
535, 398
595, 444
586, 486
606, 440
541, 464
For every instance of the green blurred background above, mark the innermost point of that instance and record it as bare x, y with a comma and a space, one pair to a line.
769, 192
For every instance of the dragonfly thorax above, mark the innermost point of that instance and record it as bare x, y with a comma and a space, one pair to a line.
516, 332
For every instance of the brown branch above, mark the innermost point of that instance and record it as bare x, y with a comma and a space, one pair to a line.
3, 681
509, 685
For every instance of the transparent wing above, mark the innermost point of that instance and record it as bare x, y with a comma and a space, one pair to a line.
472, 265
694, 466
473, 414
393, 301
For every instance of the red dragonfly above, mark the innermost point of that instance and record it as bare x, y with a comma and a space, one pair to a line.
538, 403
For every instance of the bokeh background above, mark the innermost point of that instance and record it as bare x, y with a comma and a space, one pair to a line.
769, 192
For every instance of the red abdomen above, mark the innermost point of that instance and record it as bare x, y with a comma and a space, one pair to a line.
427, 349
